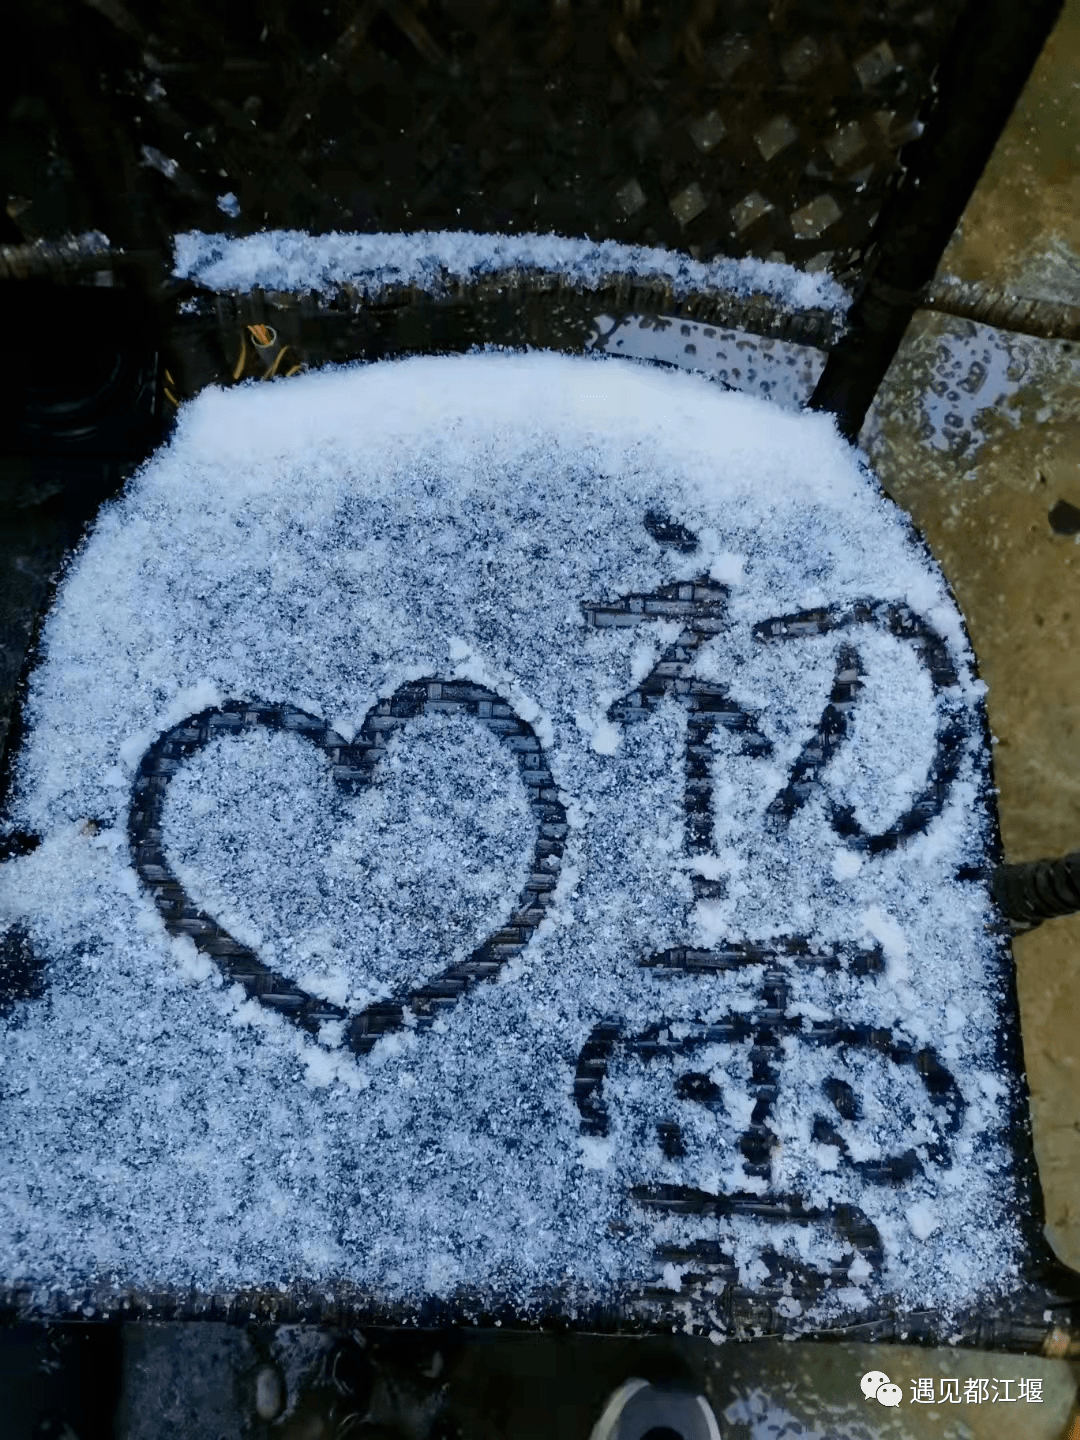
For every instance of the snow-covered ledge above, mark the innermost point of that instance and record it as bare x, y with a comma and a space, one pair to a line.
292, 260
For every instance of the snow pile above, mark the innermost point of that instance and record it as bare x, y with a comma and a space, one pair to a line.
325, 541
430, 260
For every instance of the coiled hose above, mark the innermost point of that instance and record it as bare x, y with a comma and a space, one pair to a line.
1039, 890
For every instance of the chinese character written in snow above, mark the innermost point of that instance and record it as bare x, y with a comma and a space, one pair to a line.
922, 1392
1030, 1390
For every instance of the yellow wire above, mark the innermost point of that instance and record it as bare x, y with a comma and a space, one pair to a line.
277, 361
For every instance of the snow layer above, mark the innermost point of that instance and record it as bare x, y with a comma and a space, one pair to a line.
295, 260
322, 541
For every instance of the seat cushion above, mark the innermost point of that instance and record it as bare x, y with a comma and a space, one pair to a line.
514, 831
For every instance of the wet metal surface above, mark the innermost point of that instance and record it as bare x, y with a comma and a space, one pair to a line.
777, 370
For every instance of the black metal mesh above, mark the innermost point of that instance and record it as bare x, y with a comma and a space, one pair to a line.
733, 128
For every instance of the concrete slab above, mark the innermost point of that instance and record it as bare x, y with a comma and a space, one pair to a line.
976, 432
1021, 229
985, 507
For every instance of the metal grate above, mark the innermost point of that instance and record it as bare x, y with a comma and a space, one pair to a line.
729, 128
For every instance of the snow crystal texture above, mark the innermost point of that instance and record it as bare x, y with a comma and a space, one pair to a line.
289, 260
735, 989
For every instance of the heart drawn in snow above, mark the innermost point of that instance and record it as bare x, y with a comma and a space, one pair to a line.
353, 765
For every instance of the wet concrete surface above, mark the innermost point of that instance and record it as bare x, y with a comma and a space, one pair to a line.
982, 492
1021, 228
976, 432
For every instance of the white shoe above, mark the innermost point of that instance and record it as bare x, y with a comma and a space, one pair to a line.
640, 1411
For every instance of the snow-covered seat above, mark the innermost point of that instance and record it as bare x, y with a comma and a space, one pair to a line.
513, 836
